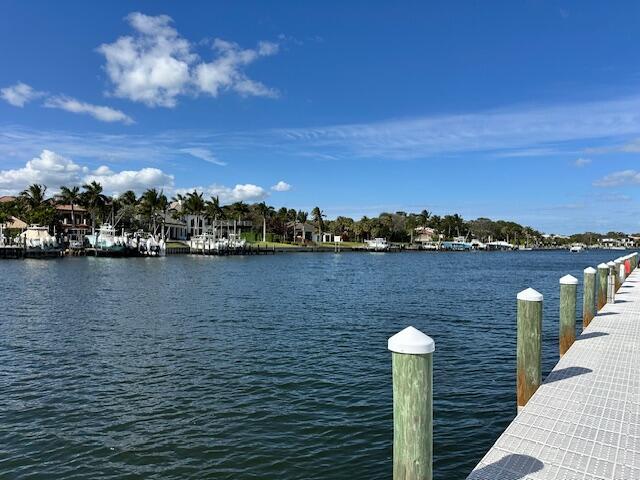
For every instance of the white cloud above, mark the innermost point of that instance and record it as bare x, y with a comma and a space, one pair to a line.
136, 180
54, 170
225, 73
617, 179
48, 168
281, 187
99, 112
155, 65
581, 162
203, 154
240, 193
19, 94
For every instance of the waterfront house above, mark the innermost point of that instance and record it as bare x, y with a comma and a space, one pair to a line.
302, 231
424, 235
73, 231
174, 228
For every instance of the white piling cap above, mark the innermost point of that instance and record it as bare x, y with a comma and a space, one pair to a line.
603, 266
611, 264
411, 341
568, 280
530, 295
590, 270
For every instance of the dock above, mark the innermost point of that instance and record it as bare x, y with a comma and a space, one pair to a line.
583, 422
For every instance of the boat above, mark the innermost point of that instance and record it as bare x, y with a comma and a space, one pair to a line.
617, 248
524, 248
576, 248
456, 246
377, 245
106, 243
38, 243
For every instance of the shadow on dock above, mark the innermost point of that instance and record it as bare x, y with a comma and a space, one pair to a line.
586, 336
511, 467
565, 373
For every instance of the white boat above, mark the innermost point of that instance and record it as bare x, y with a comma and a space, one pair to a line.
377, 245
576, 248
523, 248
39, 242
106, 241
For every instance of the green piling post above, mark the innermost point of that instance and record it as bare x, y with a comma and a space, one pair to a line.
589, 296
603, 273
529, 345
412, 366
568, 294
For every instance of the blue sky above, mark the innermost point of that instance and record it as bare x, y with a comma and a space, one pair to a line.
527, 111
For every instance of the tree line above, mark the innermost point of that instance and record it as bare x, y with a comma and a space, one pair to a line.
150, 210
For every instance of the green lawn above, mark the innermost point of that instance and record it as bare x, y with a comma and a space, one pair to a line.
274, 244
174, 244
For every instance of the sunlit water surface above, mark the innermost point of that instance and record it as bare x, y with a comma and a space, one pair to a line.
269, 367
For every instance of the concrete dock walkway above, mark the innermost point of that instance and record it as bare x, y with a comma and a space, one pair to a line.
584, 421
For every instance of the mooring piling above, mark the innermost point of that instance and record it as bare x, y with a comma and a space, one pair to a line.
568, 295
412, 366
529, 345
611, 283
589, 296
616, 273
603, 273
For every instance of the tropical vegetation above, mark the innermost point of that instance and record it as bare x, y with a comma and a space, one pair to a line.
151, 210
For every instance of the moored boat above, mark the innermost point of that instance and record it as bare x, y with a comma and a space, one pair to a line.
378, 245
38, 243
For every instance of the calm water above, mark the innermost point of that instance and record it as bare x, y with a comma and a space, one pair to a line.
259, 367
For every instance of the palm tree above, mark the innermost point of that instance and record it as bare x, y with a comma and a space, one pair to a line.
151, 202
213, 211
71, 196
302, 217
128, 198
94, 200
264, 211
33, 195
318, 216
195, 205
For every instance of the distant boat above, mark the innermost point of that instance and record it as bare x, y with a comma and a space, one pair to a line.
576, 248
106, 242
38, 243
522, 248
617, 248
377, 245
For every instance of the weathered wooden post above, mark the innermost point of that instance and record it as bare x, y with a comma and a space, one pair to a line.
589, 297
611, 283
616, 273
622, 273
603, 273
529, 345
412, 366
568, 294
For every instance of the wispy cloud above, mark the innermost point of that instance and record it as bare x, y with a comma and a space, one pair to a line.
500, 131
99, 112
19, 94
203, 154
553, 131
617, 179
581, 162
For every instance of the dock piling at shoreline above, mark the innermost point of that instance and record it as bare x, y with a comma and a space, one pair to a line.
568, 300
529, 345
412, 366
580, 421
588, 296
